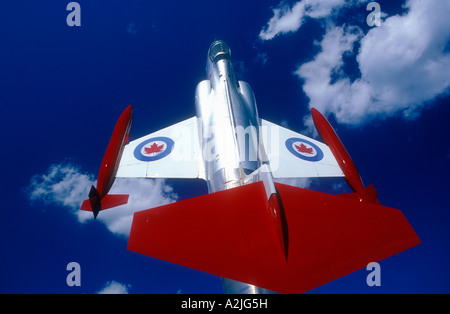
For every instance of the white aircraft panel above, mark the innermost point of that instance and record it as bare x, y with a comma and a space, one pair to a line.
293, 155
173, 152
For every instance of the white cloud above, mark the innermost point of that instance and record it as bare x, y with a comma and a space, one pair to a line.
114, 287
65, 185
326, 96
404, 64
262, 58
284, 20
289, 19
131, 28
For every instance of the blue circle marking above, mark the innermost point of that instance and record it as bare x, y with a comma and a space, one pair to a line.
154, 149
304, 149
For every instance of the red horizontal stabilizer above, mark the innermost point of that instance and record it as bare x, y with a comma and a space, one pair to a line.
109, 201
232, 234
332, 236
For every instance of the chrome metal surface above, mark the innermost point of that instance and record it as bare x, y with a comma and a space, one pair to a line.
229, 134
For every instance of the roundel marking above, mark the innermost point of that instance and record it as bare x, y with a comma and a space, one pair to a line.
154, 149
304, 149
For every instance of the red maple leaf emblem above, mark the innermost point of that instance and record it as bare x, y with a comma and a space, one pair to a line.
303, 149
154, 148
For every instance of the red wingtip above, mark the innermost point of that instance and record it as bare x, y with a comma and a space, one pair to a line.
98, 197
343, 158
111, 159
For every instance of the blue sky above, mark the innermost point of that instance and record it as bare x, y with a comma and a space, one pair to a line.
384, 89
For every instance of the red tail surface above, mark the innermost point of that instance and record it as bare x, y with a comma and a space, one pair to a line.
232, 234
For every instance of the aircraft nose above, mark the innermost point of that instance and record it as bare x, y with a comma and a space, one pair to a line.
219, 50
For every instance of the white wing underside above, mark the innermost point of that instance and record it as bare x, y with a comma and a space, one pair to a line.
184, 158
285, 164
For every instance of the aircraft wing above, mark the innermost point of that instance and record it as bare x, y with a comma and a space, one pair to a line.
173, 152
293, 155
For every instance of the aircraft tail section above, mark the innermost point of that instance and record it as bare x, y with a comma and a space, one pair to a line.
233, 234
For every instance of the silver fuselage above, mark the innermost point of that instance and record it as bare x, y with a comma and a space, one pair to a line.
228, 133
229, 127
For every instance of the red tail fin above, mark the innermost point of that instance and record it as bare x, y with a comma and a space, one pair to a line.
233, 235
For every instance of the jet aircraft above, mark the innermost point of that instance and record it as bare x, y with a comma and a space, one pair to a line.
258, 235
